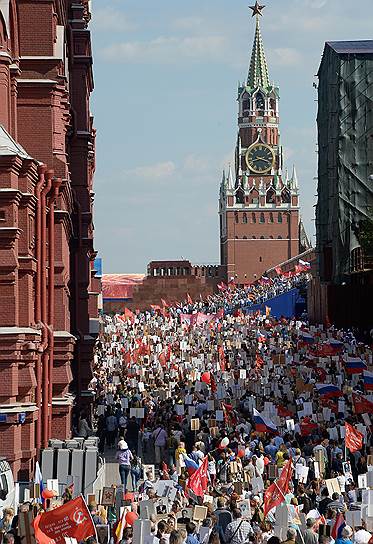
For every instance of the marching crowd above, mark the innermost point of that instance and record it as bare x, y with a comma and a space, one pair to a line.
227, 427
259, 426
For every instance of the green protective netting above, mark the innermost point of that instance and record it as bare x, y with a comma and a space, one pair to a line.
345, 131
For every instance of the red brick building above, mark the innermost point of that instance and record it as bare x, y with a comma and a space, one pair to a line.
259, 202
47, 283
170, 281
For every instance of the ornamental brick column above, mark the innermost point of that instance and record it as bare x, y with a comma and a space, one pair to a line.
5, 62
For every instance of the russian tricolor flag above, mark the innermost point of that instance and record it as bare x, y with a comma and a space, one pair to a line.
328, 390
307, 337
190, 465
355, 365
368, 380
338, 527
335, 343
263, 424
38, 479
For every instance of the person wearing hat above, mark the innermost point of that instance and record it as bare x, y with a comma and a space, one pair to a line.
124, 457
290, 536
347, 534
309, 536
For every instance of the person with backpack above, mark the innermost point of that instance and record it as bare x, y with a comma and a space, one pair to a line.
239, 530
136, 467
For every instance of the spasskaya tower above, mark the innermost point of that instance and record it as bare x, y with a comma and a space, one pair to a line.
259, 203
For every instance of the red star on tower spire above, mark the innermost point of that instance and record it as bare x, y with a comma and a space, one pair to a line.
257, 9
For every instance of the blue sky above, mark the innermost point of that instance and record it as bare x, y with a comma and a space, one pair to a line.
166, 75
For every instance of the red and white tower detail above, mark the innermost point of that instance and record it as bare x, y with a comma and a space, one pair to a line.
259, 202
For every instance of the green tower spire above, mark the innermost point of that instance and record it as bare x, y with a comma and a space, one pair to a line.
258, 70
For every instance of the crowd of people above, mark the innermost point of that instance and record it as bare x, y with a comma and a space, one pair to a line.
231, 297
220, 407
231, 428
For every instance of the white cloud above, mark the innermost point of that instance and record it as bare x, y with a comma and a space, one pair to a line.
197, 163
284, 56
167, 49
317, 4
314, 23
288, 153
156, 171
107, 18
188, 23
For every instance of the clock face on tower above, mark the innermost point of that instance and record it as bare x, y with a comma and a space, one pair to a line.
260, 158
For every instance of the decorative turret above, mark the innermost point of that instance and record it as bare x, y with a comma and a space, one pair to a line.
276, 183
262, 187
230, 180
223, 184
293, 185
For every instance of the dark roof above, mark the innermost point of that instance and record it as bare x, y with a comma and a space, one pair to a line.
359, 46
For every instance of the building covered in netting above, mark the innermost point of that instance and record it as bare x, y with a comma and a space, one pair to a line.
344, 211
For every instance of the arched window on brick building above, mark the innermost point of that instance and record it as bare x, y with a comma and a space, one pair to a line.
285, 196
235, 217
270, 218
270, 196
261, 218
244, 218
253, 217
279, 217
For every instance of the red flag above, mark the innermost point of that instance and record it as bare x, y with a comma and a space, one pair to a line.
275, 493
259, 361
361, 404
72, 519
307, 427
221, 358
213, 385
321, 374
166, 475
319, 521
189, 299
353, 438
128, 314
164, 303
127, 358
278, 270
198, 481
284, 412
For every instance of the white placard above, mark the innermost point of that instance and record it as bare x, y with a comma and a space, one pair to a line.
191, 411
290, 425
219, 415
52, 485
362, 481
179, 409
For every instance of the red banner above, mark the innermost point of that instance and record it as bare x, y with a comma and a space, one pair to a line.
72, 519
361, 404
354, 438
275, 493
198, 481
